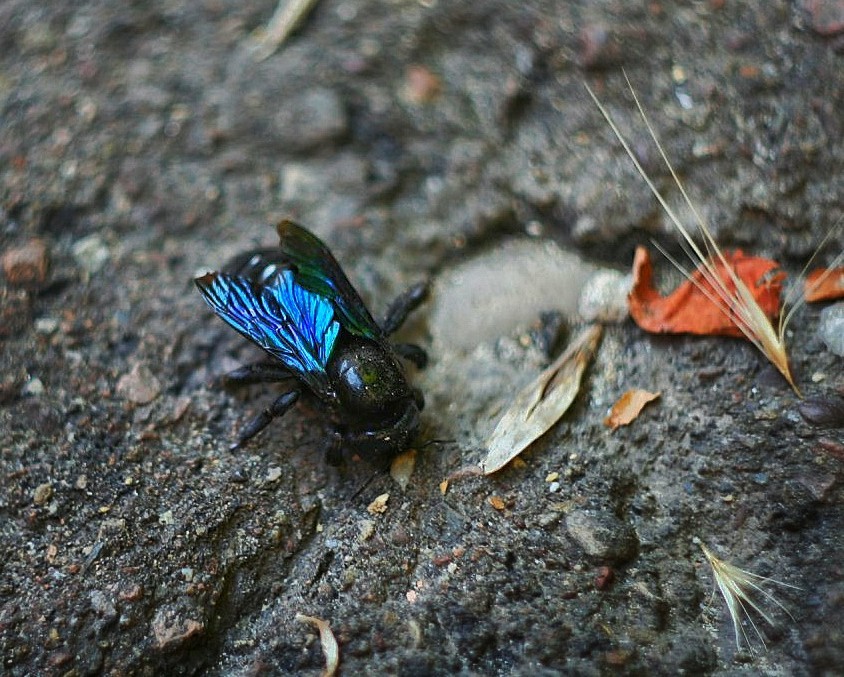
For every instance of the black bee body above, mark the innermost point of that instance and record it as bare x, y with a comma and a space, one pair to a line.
296, 303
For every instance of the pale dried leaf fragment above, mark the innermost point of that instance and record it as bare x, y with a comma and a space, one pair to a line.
329, 643
402, 468
379, 505
742, 592
541, 403
287, 16
628, 407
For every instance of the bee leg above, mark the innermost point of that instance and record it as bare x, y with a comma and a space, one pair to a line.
412, 353
418, 398
258, 372
402, 306
262, 420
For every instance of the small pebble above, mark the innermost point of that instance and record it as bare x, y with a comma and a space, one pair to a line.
831, 328
42, 494
46, 325
602, 535
421, 85
604, 578
91, 253
26, 266
366, 530
171, 629
826, 17
316, 117
139, 386
826, 411
34, 387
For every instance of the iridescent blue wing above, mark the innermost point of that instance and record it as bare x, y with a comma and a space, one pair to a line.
316, 269
291, 323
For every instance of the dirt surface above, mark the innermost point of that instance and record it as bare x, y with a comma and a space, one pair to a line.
141, 143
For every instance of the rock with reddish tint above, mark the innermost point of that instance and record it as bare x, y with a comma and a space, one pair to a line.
139, 386
26, 266
171, 630
826, 17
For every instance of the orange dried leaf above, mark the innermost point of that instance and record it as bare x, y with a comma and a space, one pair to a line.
628, 407
824, 284
690, 309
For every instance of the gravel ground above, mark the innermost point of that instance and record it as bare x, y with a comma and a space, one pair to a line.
142, 143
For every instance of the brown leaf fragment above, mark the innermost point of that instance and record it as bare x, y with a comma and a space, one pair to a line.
824, 284
541, 403
330, 649
628, 407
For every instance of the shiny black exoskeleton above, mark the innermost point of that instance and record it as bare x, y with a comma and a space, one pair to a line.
296, 303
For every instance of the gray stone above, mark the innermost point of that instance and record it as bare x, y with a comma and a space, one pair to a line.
602, 535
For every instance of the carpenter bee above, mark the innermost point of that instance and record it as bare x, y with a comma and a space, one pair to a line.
295, 302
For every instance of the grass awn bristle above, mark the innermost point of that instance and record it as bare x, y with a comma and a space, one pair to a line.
742, 592
740, 304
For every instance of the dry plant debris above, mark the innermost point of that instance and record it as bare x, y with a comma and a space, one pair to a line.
329, 643
732, 293
402, 468
695, 306
628, 407
379, 505
541, 403
497, 502
287, 16
824, 284
742, 593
